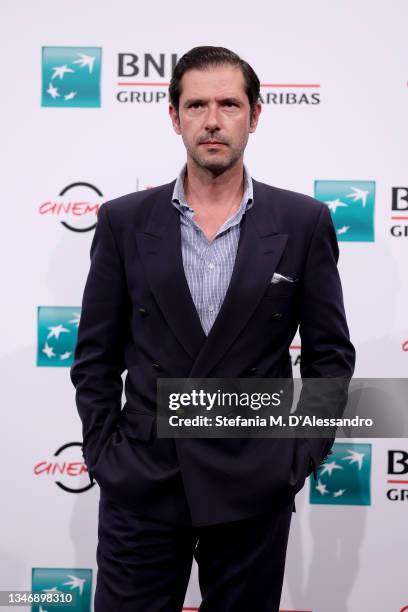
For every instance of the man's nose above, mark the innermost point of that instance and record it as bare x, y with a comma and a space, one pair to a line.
212, 121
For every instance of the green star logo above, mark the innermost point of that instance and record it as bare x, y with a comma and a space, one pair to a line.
57, 335
351, 204
71, 76
52, 582
344, 478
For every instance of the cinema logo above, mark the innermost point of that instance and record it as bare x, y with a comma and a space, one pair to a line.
76, 207
144, 78
399, 206
66, 469
397, 475
290, 94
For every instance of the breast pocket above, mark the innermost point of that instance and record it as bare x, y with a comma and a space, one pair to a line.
279, 302
281, 290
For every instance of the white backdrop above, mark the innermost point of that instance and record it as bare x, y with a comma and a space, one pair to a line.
353, 57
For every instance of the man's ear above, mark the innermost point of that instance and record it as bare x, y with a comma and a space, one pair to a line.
175, 119
254, 117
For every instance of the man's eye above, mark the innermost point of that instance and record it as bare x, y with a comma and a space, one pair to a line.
230, 104
195, 105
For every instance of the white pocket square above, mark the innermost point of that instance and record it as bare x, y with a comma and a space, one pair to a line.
278, 278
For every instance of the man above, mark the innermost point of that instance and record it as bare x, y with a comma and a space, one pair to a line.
180, 286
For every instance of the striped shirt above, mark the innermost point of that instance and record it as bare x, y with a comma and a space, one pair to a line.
208, 265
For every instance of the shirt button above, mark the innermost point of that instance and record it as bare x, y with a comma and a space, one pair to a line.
211, 266
211, 308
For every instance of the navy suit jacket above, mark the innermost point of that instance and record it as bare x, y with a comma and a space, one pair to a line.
138, 316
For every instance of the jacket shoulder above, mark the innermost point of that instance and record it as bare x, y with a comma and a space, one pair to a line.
135, 206
290, 202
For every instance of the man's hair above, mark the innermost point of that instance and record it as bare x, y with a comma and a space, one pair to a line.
200, 58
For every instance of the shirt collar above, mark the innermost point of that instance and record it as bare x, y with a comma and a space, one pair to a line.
179, 198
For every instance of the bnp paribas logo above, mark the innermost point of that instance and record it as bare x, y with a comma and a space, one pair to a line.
62, 589
57, 335
351, 204
344, 478
71, 76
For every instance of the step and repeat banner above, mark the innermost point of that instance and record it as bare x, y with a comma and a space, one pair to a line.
84, 120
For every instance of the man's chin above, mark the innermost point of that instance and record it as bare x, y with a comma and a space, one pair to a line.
215, 166
216, 169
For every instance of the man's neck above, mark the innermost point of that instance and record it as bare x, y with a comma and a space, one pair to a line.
203, 189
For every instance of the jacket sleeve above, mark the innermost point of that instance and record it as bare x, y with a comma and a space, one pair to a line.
99, 354
326, 348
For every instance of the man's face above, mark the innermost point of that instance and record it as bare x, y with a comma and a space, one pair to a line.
214, 117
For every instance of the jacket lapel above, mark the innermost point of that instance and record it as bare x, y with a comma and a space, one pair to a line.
259, 250
160, 251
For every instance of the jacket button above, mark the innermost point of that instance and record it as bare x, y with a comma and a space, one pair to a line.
276, 315
143, 311
252, 370
156, 366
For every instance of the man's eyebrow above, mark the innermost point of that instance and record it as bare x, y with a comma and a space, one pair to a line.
193, 101
230, 101
227, 100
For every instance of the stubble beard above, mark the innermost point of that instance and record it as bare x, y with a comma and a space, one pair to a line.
215, 166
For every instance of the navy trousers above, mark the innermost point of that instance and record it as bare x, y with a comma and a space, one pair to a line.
144, 564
